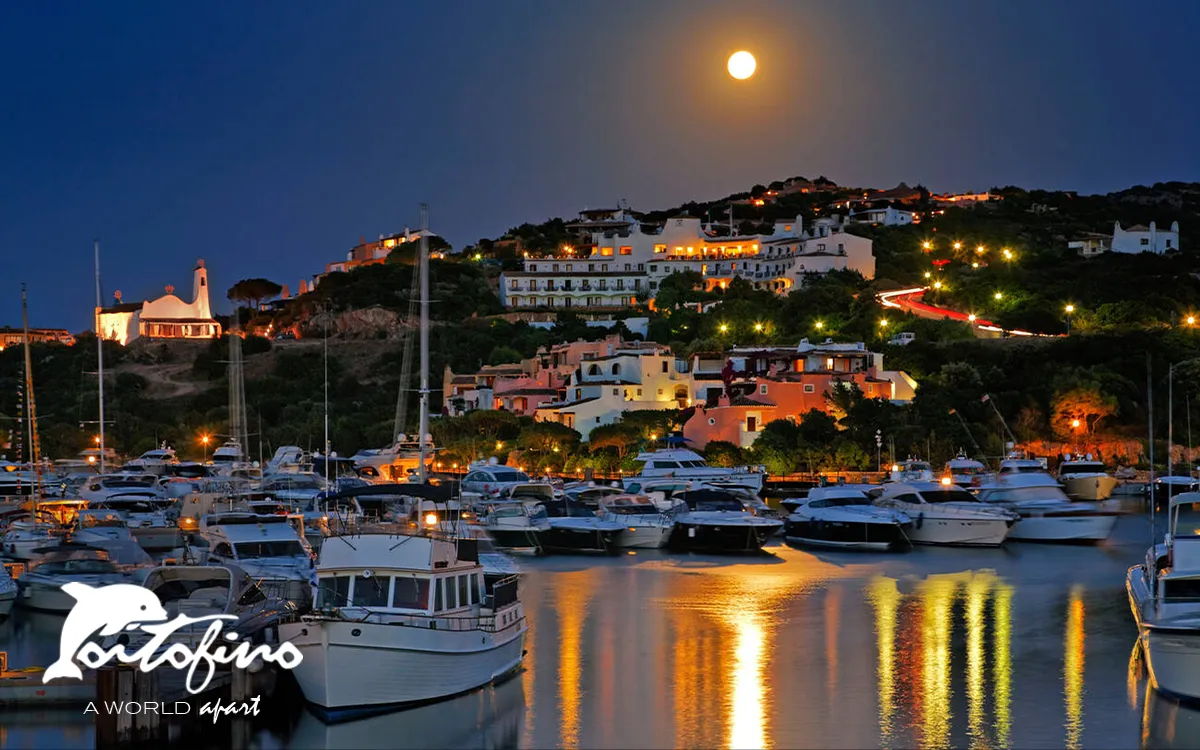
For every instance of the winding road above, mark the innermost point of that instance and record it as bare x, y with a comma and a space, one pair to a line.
911, 301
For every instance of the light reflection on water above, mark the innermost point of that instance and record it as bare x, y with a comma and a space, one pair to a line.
936, 648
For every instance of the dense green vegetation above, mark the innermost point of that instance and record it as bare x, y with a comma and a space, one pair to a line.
1126, 308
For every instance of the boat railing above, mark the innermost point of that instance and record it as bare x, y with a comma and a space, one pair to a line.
484, 621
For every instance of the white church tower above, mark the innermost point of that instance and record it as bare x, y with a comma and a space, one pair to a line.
200, 291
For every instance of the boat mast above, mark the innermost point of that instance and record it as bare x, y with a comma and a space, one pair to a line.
326, 396
423, 428
31, 410
99, 354
1170, 423
1150, 429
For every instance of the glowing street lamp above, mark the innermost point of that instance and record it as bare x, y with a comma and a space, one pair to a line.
758, 327
819, 324
883, 323
971, 318
1191, 320
723, 328
937, 285
980, 250
998, 295
1008, 254
928, 274
1075, 424
203, 439
1069, 309
927, 245
499, 445
958, 246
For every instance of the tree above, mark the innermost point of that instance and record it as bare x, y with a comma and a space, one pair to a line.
758, 191
1080, 410
817, 429
253, 290
503, 355
723, 453
778, 434
619, 436
679, 288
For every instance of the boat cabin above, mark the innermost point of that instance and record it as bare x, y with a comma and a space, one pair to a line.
629, 505
233, 537
712, 500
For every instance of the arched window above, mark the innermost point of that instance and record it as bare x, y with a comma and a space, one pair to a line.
616, 368
594, 370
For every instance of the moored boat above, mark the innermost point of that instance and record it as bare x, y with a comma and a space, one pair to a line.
715, 520
1047, 514
1085, 479
947, 514
840, 518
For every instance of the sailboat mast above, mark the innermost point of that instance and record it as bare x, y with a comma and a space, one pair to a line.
31, 409
99, 355
1170, 422
1150, 430
423, 428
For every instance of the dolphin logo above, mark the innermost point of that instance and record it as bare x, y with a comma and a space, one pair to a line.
108, 610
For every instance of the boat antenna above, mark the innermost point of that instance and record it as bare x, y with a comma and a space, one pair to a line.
967, 430
988, 397
99, 354
1170, 424
423, 424
31, 409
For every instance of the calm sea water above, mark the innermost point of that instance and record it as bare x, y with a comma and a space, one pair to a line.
1028, 647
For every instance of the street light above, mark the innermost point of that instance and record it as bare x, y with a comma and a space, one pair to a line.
820, 324
928, 274
937, 285
723, 328
971, 317
204, 439
927, 245
758, 327
878, 450
980, 250
1069, 310
998, 295
1191, 320
958, 246
1008, 254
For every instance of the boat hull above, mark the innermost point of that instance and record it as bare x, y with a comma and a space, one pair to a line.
517, 538
572, 539
850, 536
46, 599
976, 532
1082, 529
344, 675
7, 601
157, 539
1090, 488
1173, 660
644, 537
689, 536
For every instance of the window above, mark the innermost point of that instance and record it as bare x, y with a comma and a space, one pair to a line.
594, 370
628, 266
1168, 243
637, 283
463, 584
639, 392
1145, 241
532, 267
751, 424
626, 250
620, 284
810, 388
568, 269
591, 266
223, 550
653, 268
597, 420
616, 391
665, 365
411, 593
514, 285
604, 283
616, 368
333, 592
660, 391
660, 248
641, 266
578, 393
474, 588
654, 285
371, 591
762, 389
606, 252
821, 247
447, 587
711, 421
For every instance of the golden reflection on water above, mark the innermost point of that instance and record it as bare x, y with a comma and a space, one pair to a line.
574, 594
919, 679
885, 599
1073, 667
937, 596
1002, 661
746, 731
833, 626
977, 595
1134, 674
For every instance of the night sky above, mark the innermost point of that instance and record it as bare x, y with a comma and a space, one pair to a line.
267, 137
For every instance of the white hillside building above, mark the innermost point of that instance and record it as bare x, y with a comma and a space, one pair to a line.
1143, 239
167, 317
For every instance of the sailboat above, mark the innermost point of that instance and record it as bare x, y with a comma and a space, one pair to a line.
37, 530
405, 618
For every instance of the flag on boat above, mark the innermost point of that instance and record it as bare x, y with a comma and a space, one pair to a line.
985, 399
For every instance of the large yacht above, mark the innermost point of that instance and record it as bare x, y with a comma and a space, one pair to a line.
912, 470
845, 519
1047, 514
402, 620
41, 585
268, 547
1085, 479
1164, 595
947, 514
680, 463
716, 520
126, 484
964, 470
152, 461
646, 525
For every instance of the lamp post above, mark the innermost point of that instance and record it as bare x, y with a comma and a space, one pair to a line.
204, 440
879, 450
1070, 309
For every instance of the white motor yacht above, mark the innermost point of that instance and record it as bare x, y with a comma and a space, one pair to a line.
964, 471
153, 521
31, 532
574, 527
101, 488
947, 514
716, 520
646, 525
41, 584
8, 593
517, 526
153, 461
912, 470
227, 456
403, 620
842, 518
683, 464
289, 459
1085, 479
1047, 514
1164, 595
108, 530
270, 548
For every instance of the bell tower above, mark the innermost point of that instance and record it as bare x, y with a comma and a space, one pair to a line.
200, 291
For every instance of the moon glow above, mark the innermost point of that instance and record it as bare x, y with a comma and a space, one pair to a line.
742, 65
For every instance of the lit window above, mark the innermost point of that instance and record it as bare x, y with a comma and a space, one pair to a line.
606, 251
626, 250
810, 388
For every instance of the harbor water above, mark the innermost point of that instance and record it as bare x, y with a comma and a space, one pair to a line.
1028, 646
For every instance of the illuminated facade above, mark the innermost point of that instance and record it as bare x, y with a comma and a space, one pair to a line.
1143, 239
365, 253
627, 261
167, 317
16, 336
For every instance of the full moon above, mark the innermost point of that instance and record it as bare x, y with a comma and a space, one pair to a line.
742, 65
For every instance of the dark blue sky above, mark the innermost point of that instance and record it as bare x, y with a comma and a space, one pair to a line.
267, 137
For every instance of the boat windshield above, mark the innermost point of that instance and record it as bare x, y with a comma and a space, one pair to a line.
573, 510
75, 567
839, 502
638, 509
290, 483
1083, 468
91, 518
948, 496
1027, 494
708, 500
509, 475
280, 548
